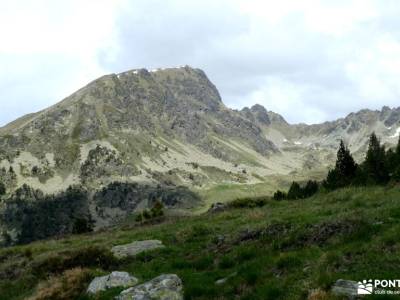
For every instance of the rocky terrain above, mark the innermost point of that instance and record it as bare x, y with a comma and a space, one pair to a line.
126, 141
170, 126
314, 248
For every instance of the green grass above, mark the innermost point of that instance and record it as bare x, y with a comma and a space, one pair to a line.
282, 250
228, 192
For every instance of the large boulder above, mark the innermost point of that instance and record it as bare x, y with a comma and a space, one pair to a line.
132, 249
115, 279
164, 287
217, 207
346, 288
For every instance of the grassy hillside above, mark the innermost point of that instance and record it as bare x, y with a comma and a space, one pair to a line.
283, 250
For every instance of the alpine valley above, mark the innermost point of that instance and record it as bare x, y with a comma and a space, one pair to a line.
166, 135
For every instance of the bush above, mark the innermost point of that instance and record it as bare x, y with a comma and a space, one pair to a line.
82, 225
87, 257
139, 218
249, 202
157, 210
146, 214
70, 285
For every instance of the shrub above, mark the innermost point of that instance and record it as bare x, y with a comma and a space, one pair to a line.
157, 210
82, 225
226, 262
139, 218
86, 257
70, 285
146, 214
249, 202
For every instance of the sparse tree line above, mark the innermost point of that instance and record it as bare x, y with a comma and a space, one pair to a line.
379, 167
27, 214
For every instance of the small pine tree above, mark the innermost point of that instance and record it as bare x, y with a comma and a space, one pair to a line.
310, 188
345, 164
6, 239
2, 189
279, 195
393, 162
375, 164
344, 171
332, 180
295, 191
396, 161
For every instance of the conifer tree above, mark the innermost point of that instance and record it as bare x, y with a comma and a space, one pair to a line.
310, 188
393, 162
279, 195
332, 180
344, 171
2, 189
295, 191
345, 165
375, 164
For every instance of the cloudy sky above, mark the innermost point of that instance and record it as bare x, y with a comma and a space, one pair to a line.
310, 61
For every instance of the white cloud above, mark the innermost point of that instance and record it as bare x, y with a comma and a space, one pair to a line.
49, 49
309, 60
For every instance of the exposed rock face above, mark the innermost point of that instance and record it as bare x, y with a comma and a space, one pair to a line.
115, 279
170, 127
164, 287
132, 249
134, 126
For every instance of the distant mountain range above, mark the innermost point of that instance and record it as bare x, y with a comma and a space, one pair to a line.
170, 126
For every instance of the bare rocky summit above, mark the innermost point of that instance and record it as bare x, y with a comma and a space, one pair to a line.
170, 127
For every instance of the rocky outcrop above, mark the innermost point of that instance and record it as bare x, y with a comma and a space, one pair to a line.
134, 248
139, 136
164, 287
115, 279
217, 207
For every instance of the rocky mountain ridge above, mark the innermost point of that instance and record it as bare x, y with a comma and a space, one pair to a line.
170, 126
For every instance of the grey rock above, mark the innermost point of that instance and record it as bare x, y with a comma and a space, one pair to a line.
132, 249
223, 280
345, 288
163, 287
217, 207
115, 279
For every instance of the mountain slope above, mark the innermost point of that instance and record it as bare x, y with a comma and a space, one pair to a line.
170, 126
284, 250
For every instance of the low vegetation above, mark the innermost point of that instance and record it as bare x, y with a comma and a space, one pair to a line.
265, 249
380, 167
345, 227
28, 214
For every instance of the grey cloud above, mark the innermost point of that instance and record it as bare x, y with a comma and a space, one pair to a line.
289, 66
